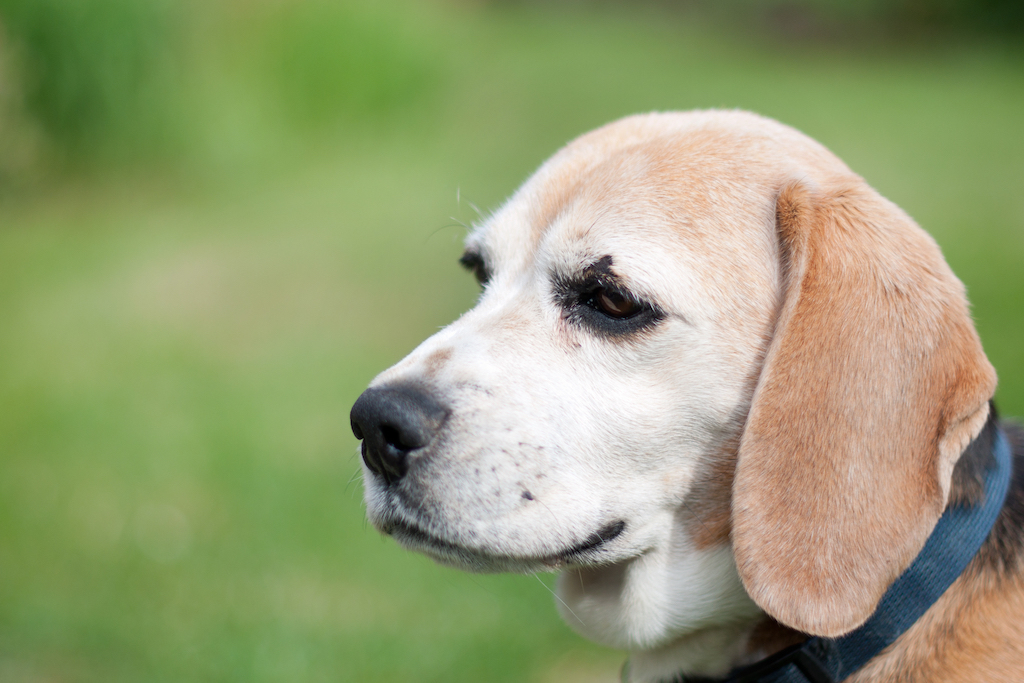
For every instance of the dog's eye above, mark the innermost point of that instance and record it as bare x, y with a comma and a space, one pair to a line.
597, 301
474, 262
613, 304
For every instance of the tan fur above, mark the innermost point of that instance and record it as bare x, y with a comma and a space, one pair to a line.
874, 383
710, 504
436, 361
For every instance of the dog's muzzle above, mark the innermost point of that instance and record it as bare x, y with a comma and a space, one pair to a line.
393, 423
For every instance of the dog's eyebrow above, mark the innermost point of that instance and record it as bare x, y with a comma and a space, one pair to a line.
587, 274
599, 271
601, 267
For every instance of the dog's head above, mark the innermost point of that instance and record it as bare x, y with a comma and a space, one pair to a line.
711, 372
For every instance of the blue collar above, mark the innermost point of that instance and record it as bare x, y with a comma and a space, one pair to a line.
955, 541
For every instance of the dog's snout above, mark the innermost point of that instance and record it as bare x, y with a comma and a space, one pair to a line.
392, 423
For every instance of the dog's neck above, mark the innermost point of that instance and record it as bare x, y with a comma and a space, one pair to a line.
673, 608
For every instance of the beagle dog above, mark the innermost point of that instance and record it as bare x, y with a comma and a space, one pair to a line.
731, 394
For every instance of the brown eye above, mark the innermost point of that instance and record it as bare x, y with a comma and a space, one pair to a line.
613, 304
597, 303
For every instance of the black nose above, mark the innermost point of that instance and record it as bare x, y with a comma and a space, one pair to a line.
393, 422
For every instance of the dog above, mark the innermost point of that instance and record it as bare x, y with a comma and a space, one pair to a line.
735, 397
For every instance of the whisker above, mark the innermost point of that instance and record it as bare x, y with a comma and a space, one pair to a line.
460, 223
480, 585
456, 224
550, 512
354, 477
548, 589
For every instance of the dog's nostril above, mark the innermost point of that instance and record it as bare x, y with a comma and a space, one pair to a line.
393, 437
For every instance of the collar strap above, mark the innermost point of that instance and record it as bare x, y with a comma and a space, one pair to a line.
957, 537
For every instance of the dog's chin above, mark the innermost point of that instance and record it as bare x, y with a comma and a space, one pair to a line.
594, 550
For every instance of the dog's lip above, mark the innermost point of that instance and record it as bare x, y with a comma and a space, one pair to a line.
585, 552
605, 534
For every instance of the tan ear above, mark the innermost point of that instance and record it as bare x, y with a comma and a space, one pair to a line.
873, 384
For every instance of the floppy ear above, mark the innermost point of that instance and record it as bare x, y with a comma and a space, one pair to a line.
874, 383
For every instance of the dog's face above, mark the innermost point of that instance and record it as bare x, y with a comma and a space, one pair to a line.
588, 413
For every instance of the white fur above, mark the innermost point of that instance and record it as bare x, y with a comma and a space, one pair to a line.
647, 602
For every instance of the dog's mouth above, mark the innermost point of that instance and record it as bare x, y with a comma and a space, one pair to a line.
591, 551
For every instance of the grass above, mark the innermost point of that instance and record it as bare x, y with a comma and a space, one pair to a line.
179, 350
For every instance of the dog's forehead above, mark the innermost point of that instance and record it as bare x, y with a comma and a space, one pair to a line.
695, 182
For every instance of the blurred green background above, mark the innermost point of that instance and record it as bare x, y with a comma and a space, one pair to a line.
219, 220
